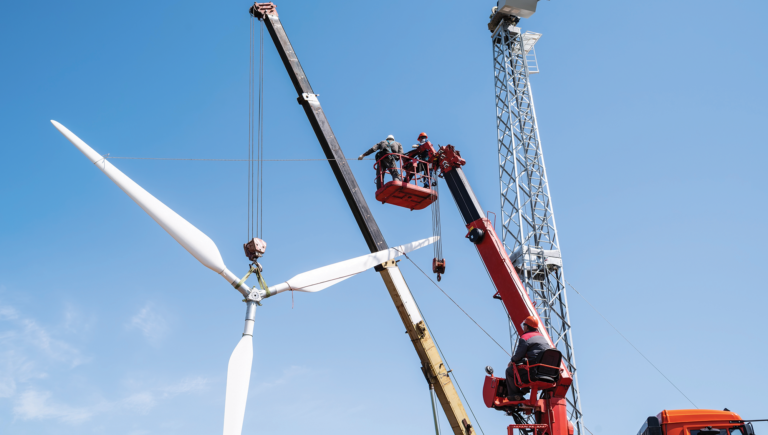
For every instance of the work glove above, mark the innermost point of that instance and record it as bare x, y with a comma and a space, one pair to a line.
361, 157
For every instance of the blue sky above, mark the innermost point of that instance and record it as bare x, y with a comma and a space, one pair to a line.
650, 117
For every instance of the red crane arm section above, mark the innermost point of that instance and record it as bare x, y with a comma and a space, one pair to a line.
508, 285
511, 290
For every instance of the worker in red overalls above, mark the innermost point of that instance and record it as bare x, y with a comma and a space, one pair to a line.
425, 153
530, 345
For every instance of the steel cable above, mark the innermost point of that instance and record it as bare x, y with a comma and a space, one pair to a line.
630, 343
250, 132
260, 163
442, 355
228, 160
455, 303
436, 224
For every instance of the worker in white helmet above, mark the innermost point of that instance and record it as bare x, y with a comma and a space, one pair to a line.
387, 153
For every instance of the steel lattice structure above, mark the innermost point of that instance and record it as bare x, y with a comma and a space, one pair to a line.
529, 233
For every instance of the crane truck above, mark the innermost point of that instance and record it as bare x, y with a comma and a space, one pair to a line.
549, 378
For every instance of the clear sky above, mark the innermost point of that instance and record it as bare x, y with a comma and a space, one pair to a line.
649, 115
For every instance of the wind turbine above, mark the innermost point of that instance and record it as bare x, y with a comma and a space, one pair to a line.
204, 249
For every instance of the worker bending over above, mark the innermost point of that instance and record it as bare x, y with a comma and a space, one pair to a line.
383, 148
530, 345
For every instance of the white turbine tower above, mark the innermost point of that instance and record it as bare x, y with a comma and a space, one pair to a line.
205, 250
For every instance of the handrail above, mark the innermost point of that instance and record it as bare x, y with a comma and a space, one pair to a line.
407, 167
519, 382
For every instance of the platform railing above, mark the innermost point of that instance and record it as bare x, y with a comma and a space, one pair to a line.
408, 168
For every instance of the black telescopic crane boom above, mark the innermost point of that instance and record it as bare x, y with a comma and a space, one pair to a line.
309, 101
433, 366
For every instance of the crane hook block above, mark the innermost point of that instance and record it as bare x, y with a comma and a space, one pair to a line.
438, 266
255, 249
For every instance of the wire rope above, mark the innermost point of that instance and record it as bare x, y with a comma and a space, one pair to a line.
442, 355
260, 163
502, 348
630, 343
455, 303
255, 138
228, 160
436, 224
509, 322
437, 411
250, 131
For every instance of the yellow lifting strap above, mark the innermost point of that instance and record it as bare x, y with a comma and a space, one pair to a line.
262, 283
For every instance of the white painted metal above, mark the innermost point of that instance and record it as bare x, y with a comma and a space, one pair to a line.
518, 8
238, 379
529, 40
324, 277
405, 295
239, 376
188, 236
250, 318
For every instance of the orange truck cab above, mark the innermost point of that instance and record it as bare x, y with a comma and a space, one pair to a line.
696, 422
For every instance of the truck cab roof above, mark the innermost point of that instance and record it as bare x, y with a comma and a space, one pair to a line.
696, 416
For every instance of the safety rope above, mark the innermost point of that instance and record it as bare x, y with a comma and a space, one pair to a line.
230, 160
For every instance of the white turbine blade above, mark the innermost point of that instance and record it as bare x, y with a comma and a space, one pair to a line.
238, 378
318, 279
192, 239
324, 285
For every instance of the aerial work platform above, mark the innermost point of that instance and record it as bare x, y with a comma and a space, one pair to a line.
406, 195
405, 192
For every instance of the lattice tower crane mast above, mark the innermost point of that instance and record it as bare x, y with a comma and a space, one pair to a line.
529, 234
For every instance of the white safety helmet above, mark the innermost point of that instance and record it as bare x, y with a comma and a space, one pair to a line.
390, 137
